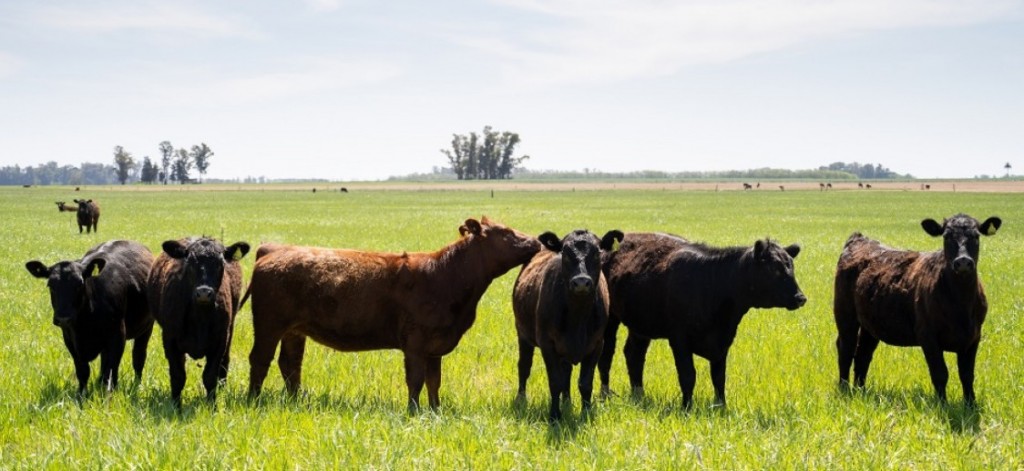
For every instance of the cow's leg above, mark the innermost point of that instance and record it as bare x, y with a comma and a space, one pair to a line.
82, 373
265, 340
866, 345
293, 349
604, 364
846, 343
415, 376
586, 379
558, 381
139, 347
211, 373
225, 360
685, 370
433, 379
936, 368
526, 350
176, 367
965, 364
110, 361
636, 356
718, 378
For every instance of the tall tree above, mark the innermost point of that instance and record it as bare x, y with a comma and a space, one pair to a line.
167, 153
201, 156
488, 156
149, 170
123, 162
181, 167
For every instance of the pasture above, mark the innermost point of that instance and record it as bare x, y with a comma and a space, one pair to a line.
784, 411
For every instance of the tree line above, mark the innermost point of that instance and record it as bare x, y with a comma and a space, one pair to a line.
175, 165
487, 156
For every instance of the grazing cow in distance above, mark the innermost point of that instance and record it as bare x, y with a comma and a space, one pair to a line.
63, 207
418, 302
343, 190
821, 187
99, 302
828, 186
193, 289
868, 186
747, 186
782, 188
860, 185
694, 295
88, 215
560, 302
907, 298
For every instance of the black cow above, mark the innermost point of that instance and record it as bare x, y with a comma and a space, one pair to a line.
694, 295
907, 298
88, 215
560, 301
99, 302
193, 289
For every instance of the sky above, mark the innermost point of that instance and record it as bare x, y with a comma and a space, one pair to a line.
363, 90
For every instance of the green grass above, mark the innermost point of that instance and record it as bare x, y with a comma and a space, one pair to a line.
784, 408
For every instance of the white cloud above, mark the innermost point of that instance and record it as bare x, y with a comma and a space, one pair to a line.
163, 17
303, 77
614, 40
9, 64
324, 5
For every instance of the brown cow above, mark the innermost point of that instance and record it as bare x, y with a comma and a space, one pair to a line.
560, 301
63, 207
906, 298
193, 290
88, 215
419, 302
99, 302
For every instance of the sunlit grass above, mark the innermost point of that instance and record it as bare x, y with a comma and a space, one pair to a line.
784, 408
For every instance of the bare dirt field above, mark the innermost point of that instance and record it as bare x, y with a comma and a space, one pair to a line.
987, 186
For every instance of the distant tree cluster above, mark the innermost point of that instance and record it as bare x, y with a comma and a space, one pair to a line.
866, 171
52, 173
487, 156
176, 165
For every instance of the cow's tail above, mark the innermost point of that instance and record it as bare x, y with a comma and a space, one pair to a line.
245, 297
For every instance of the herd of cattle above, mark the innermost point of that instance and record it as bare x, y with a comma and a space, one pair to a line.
569, 300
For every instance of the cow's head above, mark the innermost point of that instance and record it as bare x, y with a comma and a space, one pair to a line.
961, 239
580, 253
508, 246
68, 282
204, 260
773, 281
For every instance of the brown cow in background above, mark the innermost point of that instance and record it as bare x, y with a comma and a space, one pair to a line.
418, 302
560, 302
63, 207
193, 290
88, 215
907, 298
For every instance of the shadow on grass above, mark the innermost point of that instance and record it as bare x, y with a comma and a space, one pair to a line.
574, 419
958, 415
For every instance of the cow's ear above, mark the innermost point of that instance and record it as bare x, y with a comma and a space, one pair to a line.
37, 269
77, 201
94, 268
933, 228
236, 251
793, 250
175, 249
610, 241
991, 225
550, 241
471, 226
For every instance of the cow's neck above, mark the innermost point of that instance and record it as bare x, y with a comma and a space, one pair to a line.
462, 266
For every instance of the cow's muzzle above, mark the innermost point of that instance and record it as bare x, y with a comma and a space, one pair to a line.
963, 264
797, 302
581, 284
63, 321
204, 295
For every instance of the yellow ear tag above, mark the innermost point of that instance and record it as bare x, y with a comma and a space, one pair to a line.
95, 270
615, 244
237, 255
991, 229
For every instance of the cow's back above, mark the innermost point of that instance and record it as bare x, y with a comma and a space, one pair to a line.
345, 299
529, 295
637, 278
120, 289
167, 293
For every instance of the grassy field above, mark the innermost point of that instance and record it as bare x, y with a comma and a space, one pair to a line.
784, 408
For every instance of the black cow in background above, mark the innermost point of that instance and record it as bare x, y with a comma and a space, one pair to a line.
560, 301
88, 215
99, 302
907, 298
694, 295
193, 288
